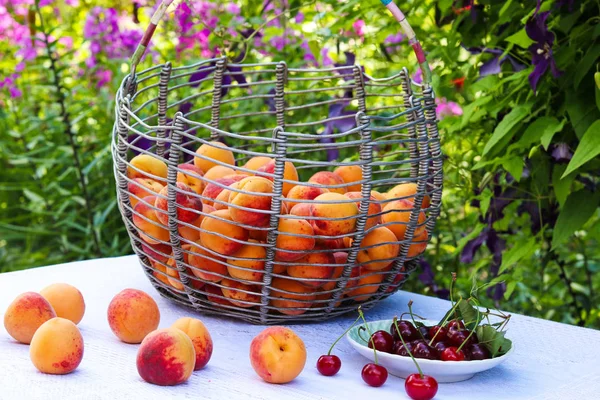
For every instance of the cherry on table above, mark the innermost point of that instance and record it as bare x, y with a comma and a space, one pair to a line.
453, 354
374, 374
420, 387
477, 351
329, 364
383, 341
406, 329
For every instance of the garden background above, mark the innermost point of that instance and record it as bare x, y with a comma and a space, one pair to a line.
518, 101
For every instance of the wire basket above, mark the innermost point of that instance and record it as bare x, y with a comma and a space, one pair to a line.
207, 191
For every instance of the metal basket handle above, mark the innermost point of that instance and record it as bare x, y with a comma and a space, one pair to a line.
390, 5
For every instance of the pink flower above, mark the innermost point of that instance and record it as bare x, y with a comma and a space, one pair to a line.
66, 41
233, 8
418, 76
447, 108
72, 3
359, 27
104, 77
15, 92
20, 66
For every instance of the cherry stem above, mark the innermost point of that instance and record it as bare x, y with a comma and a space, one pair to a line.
360, 329
343, 334
407, 349
445, 320
410, 303
404, 313
473, 330
361, 315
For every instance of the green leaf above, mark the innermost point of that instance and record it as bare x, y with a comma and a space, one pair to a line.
582, 110
520, 39
584, 65
562, 186
492, 339
503, 15
469, 109
510, 288
578, 208
543, 127
468, 314
505, 126
505, 347
520, 250
314, 47
549, 134
514, 165
588, 148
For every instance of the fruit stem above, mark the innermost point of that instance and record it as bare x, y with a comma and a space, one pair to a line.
343, 334
472, 330
406, 312
445, 320
361, 315
407, 349
410, 303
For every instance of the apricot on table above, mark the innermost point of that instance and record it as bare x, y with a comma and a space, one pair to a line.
289, 174
396, 216
208, 153
166, 357
289, 303
350, 174
57, 347
26, 314
132, 314
249, 263
339, 215
231, 236
329, 179
146, 220
255, 194
66, 300
147, 166
289, 247
201, 339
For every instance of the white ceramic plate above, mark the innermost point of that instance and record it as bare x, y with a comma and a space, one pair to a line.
442, 371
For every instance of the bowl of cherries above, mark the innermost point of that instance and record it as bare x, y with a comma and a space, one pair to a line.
454, 349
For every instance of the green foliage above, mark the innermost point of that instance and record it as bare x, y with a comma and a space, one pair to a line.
508, 166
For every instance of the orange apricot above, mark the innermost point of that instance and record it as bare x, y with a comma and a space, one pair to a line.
209, 153
350, 174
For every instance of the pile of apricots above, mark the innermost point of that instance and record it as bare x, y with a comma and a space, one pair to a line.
47, 321
223, 218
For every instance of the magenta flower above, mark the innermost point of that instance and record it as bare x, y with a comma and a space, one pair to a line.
541, 50
104, 77
233, 8
418, 76
359, 27
299, 18
447, 108
394, 41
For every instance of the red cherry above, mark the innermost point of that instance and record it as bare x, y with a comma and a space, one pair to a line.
418, 388
455, 325
453, 354
438, 333
374, 375
383, 341
329, 364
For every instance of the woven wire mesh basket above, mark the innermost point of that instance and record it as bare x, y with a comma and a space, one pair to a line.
229, 241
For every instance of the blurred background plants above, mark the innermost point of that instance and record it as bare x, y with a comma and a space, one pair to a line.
519, 108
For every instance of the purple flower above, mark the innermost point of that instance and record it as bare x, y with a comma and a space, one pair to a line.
427, 277
562, 153
561, 3
541, 50
447, 108
394, 40
299, 18
494, 65
341, 125
418, 76
104, 77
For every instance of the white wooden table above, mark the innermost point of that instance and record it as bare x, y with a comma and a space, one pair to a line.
551, 360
